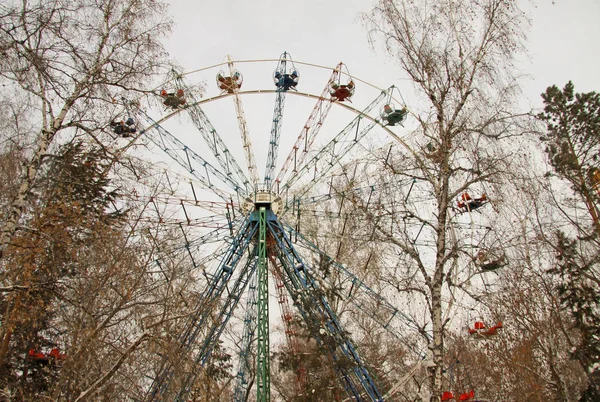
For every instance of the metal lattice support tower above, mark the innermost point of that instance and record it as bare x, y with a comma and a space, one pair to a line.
217, 284
318, 314
263, 376
305, 293
233, 297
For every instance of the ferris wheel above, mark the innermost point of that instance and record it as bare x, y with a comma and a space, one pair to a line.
250, 231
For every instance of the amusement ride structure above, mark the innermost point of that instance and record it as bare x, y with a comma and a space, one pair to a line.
255, 232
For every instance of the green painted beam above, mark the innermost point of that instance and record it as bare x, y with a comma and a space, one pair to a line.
263, 374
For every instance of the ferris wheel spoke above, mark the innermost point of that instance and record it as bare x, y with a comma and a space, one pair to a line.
213, 140
212, 221
193, 247
155, 200
275, 132
242, 123
284, 81
203, 171
311, 128
194, 251
330, 155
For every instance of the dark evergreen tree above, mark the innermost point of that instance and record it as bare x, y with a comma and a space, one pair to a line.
73, 201
573, 146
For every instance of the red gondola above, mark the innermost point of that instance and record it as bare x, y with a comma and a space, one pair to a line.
229, 84
44, 358
468, 204
480, 330
173, 99
341, 91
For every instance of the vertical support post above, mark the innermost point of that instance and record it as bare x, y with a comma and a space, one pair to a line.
263, 381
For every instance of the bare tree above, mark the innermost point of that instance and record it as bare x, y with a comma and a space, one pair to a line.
529, 358
66, 62
460, 56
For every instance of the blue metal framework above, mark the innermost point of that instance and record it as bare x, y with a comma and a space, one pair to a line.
241, 389
211, 295
244, 261
320, 318
363, 297
305, 292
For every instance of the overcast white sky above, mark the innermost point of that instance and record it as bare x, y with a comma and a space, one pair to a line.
563, 43
562, 46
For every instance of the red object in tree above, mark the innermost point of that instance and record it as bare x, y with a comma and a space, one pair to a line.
163, 93
491, 332
55, 353
37, 356
180, 93
467, 396
479, 325
447, 396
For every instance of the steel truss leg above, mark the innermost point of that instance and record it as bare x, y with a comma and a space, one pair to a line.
241, 389
206, 302
321, 319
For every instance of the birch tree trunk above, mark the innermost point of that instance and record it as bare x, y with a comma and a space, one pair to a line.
460, 57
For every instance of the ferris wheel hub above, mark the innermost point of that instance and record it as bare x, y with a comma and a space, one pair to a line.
263, 198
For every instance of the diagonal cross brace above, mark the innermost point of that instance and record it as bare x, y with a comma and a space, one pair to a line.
215, 144
331, 153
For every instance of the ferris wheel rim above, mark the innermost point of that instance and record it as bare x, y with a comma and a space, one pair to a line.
248, 61
272, 91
